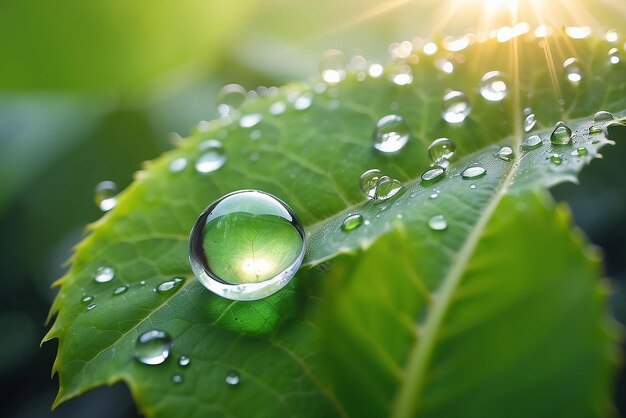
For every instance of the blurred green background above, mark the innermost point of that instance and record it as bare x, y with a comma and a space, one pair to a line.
89, 90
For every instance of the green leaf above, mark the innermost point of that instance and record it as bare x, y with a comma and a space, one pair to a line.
292, 361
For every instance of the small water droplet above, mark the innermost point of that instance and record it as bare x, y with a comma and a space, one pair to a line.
278, 108
614, 56
351, 222
505, 154
444, 65
255, 135
441, 150
529, 122
438, 223
401, 74
579, 151
177, 378
556, 159
250, 238
573, 71
213, 157
85, 300
473, 172
91, 306
303, 102
434, 195
104, 274
153, 347
229, 98
232, 378
387, 187
178, 164
368, 181
391, 134
120, 289
493, 86
333, 66
142, 283
532, 142
106, 195
561, 135
603, 116
184, 361
169, 287
433, 173
456, 107
472, 186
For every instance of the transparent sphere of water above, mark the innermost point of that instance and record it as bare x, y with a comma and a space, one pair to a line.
246, 245
493, 86
391, 134
456, 106
153, 347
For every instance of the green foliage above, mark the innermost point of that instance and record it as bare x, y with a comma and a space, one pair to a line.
500, 314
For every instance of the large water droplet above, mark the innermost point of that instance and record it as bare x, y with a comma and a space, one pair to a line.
532, 142
213, 156
391, 133
473, 172
456, 106
104, 274
333, 66
184, 361
603, 116
229, 98
178, 378
438, 223
529, 122
441, 150
232, 378
106, 195
120, 290
505, 154
433, 173
561, 135
493, 86
573, 71
368, 181
246, 246
153, 347
170, 287
386, 188
351, 222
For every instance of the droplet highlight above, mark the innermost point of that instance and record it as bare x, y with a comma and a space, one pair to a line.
246, 245
573, 70
333, 66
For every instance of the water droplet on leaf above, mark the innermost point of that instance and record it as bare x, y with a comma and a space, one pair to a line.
106, 195
433, 173
368, 181
104, 274
556, 159
391, 134
573, 71
386, 188
246, 246
213, 157
561, 135
493, 86
248, 121
177, 378
278, 108
603, 116
170, 287
85, 300
153, 347
232, 378
438, 223
120, 290
178, 164
614, 56
333, 66
441, 150
473, 172
529, 122
505, 154
351, 222
303, 102
456, 107
532, 142
91, 306
184, 361
229, 98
